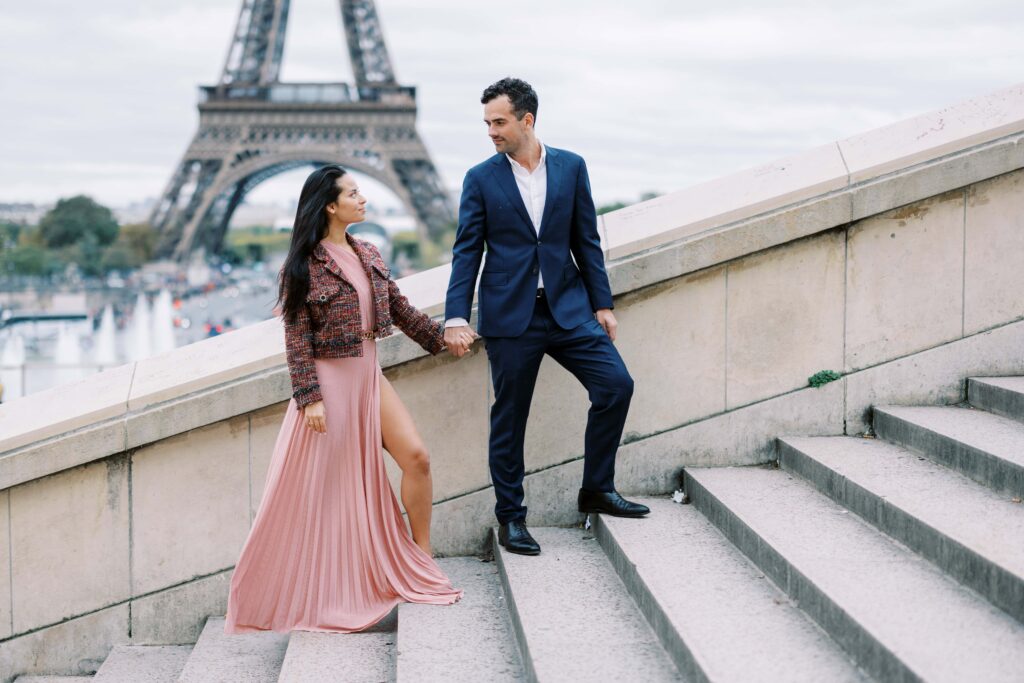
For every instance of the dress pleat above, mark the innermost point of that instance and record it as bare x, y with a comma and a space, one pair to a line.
328, 549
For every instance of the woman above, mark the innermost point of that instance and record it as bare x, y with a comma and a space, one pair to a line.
328, 549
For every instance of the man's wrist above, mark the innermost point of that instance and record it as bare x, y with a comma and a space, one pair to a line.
455, 322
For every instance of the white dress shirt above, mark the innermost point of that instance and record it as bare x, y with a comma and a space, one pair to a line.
533, 188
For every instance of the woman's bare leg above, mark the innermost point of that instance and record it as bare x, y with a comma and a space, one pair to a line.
404, 444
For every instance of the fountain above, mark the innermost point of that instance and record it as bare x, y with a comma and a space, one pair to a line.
163, 323
67, 357
11, 361
142, 339
105, 353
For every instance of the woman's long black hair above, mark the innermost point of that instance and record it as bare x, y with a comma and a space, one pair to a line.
319, 190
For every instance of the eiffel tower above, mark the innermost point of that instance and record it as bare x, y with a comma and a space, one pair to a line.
253, 127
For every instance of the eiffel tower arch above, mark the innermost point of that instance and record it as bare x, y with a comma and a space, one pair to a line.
253, 127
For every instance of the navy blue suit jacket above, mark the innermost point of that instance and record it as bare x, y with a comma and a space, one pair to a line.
566, 249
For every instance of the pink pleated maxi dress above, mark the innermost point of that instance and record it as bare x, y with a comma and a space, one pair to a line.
328, 549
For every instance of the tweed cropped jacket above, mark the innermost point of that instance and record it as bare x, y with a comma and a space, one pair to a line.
329, 324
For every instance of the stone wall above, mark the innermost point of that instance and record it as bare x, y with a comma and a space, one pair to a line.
125, 498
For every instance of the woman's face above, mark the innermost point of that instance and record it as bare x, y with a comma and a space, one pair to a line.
350, 206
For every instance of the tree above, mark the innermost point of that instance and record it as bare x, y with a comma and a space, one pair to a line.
132, 248
31, 260
615, 206
79, 219
9, 234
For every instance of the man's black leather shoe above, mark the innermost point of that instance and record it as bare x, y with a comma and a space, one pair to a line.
517, 539
609, 503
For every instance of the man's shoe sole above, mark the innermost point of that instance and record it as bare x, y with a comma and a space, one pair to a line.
519, 552
615, 514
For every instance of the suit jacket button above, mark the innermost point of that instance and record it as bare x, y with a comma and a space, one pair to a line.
535, 270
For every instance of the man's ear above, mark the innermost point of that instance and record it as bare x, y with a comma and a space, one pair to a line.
528, 119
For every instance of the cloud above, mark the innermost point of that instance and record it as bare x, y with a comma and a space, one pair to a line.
656, 94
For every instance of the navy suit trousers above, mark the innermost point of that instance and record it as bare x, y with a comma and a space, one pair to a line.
586, 352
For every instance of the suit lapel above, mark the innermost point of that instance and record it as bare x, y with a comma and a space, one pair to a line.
554, 173
502, 171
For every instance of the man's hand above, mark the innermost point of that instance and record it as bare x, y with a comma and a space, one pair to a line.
608, 322
459, 338
314, 416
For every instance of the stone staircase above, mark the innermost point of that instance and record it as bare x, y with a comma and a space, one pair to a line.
897, 557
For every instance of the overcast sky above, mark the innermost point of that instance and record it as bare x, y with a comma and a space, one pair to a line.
99, 97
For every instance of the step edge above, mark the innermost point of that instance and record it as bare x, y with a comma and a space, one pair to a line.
887, 424
689, 663
798, 462
513, 609
867, 650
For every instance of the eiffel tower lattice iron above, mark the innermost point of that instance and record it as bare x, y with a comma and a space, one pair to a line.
253, 127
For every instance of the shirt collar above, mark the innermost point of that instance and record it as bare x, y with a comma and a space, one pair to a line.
543, 159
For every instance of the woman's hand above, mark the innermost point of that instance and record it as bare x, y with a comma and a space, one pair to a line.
459, 338
314, 415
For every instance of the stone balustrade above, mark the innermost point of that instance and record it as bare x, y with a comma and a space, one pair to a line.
895, 258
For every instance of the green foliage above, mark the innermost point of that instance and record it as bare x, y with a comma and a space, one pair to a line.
823, 377
9, 234
608, 208
133, 247
78, 219
139, 239
29, 259
406, 242
615, 206
257, 241
91, 250
86, 253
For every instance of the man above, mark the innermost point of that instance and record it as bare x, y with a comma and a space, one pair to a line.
543, 289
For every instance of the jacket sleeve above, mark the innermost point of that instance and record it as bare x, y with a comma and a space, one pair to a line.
585, 244
298, 339
467, 251
416, 324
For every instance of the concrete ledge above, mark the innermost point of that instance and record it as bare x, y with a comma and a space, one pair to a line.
964, 124
739, 215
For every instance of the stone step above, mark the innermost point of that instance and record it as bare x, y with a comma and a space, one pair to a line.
572, 615
1000, 395
51, 678
470, 640
143, 664
249, 657
363, 657
900, 617
965, 528
987, 448
716, 614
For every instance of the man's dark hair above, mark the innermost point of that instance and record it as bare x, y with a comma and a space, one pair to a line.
519, 92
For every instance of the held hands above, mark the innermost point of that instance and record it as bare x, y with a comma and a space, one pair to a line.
314, 415
607, 321
459, 338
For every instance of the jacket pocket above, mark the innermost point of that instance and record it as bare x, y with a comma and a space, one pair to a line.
493, 278
323, 292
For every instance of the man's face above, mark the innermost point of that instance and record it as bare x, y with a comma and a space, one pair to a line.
506, 131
